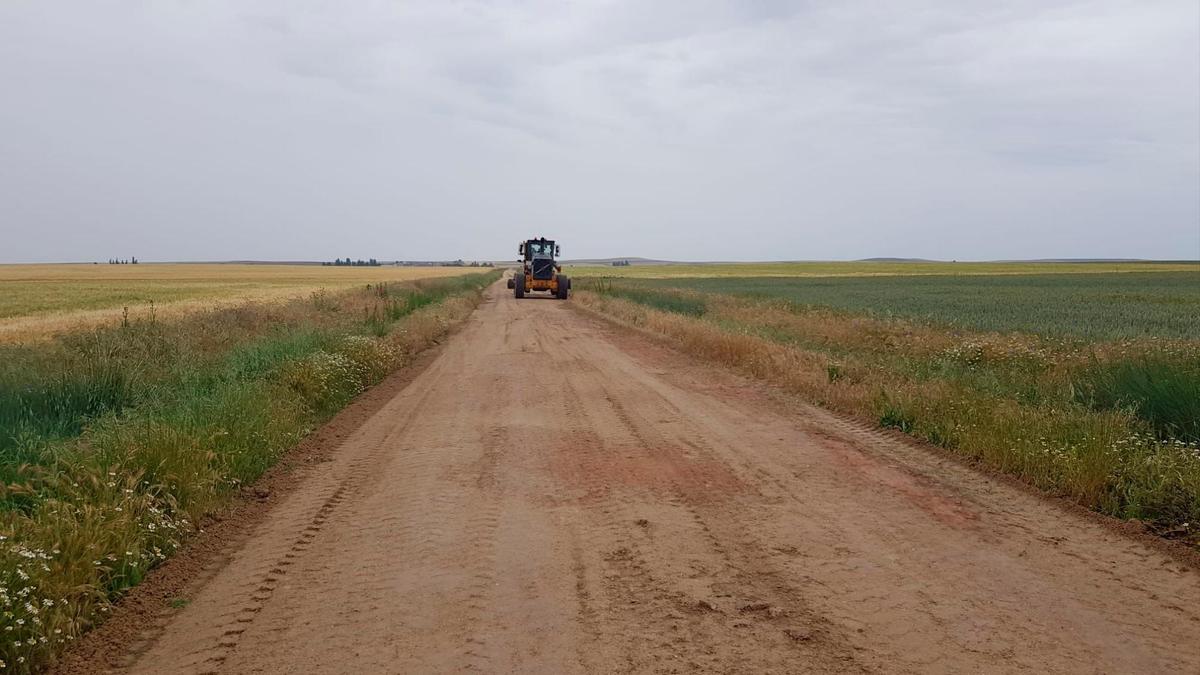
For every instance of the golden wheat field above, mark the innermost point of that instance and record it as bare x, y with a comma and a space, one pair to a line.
40, 300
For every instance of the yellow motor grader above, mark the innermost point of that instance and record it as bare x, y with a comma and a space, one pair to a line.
539, 271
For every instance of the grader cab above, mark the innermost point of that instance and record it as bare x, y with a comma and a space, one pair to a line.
539, 271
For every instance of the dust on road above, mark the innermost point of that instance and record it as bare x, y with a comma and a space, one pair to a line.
556, 495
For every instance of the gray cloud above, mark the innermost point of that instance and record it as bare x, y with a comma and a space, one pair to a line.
696, 130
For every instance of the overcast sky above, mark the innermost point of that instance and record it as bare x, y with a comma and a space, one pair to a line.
755, 130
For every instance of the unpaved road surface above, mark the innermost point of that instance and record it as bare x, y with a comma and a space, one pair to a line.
557, 495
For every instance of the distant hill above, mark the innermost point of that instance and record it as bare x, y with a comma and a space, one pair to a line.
1032, 260
894, 260
1096, 260
633, 260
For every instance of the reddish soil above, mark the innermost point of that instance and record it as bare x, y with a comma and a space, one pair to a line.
554, 494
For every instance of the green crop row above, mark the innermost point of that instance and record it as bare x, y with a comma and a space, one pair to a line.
1095, 306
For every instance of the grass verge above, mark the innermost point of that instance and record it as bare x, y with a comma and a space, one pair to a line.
114, 443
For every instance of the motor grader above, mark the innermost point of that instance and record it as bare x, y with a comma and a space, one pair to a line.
539, 271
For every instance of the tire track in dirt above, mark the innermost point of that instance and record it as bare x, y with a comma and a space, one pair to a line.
556, 495
262, 578
751, 590
745, 583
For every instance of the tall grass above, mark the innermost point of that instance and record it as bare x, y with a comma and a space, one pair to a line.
1164, 393
667, 300
93, 500
57, 403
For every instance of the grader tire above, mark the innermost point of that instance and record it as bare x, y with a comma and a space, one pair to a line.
519, 288
564, 287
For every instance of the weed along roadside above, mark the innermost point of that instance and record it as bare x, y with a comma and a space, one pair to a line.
1108, 423
115, 442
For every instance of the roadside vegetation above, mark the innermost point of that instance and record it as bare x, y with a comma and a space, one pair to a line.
115, 442
1059, 385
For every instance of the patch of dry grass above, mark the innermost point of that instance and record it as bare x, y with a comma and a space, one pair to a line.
41, 300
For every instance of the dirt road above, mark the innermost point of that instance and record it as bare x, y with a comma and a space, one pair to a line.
556, 495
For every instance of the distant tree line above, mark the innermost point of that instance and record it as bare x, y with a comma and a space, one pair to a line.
620, 263
118, 261
352, 263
